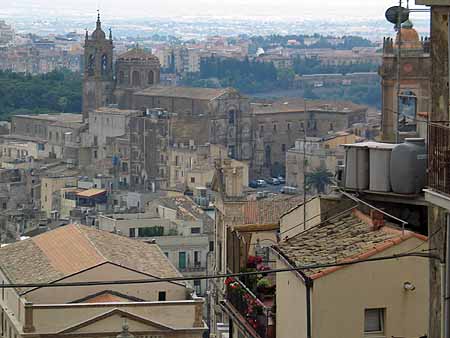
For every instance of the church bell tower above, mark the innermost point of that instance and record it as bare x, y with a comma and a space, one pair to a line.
98, 80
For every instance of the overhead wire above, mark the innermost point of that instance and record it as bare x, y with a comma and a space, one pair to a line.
217, 276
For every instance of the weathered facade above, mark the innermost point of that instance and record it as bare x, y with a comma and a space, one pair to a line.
415, 84
279, 124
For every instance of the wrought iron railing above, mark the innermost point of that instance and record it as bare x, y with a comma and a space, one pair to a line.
439, 156
257, 315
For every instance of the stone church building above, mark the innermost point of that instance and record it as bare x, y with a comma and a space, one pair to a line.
258, 134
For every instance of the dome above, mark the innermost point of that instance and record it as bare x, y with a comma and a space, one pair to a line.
138, 54
410, 37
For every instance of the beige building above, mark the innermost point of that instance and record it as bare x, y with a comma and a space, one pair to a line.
319, 153
192, 166
372, 299
182, 230
76, 253
50, 187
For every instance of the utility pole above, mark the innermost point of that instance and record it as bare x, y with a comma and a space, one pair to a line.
305, 163
399, 27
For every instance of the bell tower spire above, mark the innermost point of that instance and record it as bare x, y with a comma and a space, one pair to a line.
98, 80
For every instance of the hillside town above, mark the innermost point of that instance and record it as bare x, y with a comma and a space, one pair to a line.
167, 209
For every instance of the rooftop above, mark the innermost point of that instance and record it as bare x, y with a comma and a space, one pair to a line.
74, 248
91, 192
66, 117
292, 105
187, 210
184, 92
344, 238
117, 111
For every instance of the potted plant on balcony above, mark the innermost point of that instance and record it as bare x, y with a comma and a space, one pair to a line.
263, 286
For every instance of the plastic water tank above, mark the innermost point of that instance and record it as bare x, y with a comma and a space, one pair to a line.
380, 166
408, 166
357, 166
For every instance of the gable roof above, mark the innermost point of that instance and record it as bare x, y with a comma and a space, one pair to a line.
74, 248
184, 92
120, 313
342, 239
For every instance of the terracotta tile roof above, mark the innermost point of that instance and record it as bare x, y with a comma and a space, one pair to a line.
73, 248
342, 239
267, 211
91, 192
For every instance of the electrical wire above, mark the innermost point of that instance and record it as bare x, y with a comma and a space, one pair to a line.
218, 276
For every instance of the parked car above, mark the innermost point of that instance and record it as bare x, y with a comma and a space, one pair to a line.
253, 184
273, 181
288, 190
281, 179
261, 183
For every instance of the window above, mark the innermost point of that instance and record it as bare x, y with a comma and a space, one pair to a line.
374, 321
231, 116
288, 126
274, 127
197, 260
261, 131
211, 246
283, 147
161, 296
197, 286
195, 230
95, 154
132, 232
192, 179
167, 254
182, 260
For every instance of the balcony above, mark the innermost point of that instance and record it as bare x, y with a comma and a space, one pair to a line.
254, 314
438, 191
439, 157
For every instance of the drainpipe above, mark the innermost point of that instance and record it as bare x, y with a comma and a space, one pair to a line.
447, 283
308, 284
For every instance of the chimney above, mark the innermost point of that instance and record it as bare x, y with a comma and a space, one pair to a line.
377, 219
374, 219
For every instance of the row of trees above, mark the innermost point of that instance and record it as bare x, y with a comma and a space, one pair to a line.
57, 91
305, 66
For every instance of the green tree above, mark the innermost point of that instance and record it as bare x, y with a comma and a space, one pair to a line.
318, 180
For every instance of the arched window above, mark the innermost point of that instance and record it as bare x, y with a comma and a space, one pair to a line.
136, 79
231, 116
91, 64
267, 156
121, 77
151, 77
104, 64
408, 111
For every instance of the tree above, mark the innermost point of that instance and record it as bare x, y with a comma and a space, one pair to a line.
319, 180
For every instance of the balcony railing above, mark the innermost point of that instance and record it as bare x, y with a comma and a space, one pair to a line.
253, 310
439, 156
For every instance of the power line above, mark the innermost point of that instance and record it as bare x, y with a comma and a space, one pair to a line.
218, 276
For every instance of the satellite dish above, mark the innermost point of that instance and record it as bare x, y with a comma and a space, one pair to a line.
392, 14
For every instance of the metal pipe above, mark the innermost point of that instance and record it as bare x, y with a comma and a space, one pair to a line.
447, 282
308, 284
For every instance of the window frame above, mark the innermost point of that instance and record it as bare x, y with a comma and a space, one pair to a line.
381, 319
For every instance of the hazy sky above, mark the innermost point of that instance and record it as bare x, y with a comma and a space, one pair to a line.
339, 9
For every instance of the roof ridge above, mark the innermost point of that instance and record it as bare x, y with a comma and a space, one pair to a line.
91, 242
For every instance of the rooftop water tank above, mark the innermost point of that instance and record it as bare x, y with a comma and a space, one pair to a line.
357, 166
380, 163
408, 166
